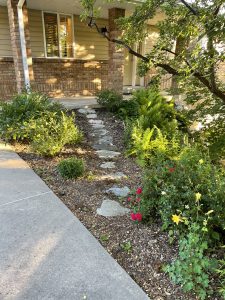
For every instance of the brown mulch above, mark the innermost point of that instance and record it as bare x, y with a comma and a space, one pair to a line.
150, 248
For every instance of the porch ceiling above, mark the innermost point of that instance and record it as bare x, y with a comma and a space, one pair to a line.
74, 7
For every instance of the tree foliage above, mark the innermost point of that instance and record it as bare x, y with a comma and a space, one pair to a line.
198, 28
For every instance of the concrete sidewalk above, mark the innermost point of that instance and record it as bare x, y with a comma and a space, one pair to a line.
45, 251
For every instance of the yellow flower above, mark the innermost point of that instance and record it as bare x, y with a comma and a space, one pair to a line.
201, 161
176, 219
198, 196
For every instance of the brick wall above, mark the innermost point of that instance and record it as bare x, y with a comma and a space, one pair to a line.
58, 78
7, 78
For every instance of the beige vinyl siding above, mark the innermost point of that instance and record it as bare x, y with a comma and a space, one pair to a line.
5, 41
36, 33
89, 44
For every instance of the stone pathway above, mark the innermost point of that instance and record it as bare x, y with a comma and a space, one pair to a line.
102, 142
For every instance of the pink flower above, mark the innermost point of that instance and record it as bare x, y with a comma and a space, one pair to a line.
138, 199
139, 191
129, 199
138, 216
133, 216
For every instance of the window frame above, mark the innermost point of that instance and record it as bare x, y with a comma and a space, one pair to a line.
58, 27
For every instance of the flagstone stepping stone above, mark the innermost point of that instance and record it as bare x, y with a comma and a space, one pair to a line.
95, 122
114, 176
98, 126
108, 165
119, 192
92, 116
111, 208
107, 154
106, 139
99, 132
104, 146
86, 111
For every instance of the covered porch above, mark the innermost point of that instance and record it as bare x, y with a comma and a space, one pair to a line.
47, 48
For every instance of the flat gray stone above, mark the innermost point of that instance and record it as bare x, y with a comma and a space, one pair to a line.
111, 208
46, 252
95, 122
107, 154
86, 111
91, 116
115, 176
99, 132
119, 192
108, 165
106, 139
98, 126
104, 146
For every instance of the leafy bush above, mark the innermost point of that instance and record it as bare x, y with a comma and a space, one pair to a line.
170, 186
149, 142
33, 118
221, 272
128, 109
213, 136
52, 132
192, 266
109, 99
17, 118
71, 168
155, 110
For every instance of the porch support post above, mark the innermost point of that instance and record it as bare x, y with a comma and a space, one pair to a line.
116, 55
19, 32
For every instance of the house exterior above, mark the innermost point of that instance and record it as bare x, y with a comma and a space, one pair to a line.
44, 44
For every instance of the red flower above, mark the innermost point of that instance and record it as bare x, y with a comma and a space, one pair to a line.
171, 170
133, 216
129, 199
138, 199
139, 191
138, 216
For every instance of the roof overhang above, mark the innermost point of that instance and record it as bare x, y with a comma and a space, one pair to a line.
74, 7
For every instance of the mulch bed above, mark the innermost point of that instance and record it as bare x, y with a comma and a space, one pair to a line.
150, 246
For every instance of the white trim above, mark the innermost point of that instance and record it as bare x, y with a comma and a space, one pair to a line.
44, 36
58, 27
73, 32
134, 68
58, 33
23, 44
142, 79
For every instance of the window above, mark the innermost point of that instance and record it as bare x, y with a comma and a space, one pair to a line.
58, 35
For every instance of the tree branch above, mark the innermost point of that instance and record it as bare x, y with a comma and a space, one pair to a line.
190, 7
105, 33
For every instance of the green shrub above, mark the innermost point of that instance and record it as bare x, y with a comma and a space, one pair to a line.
146, 143
52, 132
71, 168
109, 99
17, 118
170, 187
191, 268
221, 272
155, 110
128, 109
213, 137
